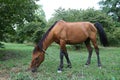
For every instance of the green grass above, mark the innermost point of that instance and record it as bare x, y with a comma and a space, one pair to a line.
15, 59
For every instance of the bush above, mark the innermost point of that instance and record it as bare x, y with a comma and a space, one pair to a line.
1, 45
114, 37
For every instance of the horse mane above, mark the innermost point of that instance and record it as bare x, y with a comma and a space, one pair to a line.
40, 44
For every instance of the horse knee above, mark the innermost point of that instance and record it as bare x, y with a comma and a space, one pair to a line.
91, 49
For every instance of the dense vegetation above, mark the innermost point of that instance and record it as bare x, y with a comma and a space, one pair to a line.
16, 18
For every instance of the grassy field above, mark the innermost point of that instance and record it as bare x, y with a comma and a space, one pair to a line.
15, 59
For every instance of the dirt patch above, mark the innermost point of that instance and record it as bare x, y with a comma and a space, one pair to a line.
4, 75
16, 69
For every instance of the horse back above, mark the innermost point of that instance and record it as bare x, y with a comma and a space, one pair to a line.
73, 32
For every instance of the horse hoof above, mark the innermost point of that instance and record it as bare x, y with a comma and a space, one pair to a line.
59, 71
69, 66
86, 66
100, 67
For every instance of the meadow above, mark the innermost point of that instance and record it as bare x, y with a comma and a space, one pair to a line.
16, 58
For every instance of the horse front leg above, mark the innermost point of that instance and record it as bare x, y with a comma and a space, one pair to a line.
61, 62
63, 52
62, 45
67, 58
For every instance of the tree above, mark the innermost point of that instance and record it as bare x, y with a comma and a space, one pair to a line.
32, 31
111, 7
15, 12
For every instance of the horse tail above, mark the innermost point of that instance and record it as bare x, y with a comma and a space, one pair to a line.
102, 34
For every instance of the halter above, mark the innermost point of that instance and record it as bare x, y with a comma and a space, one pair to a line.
44, 51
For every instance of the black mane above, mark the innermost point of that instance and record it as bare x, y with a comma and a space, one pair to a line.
40, 44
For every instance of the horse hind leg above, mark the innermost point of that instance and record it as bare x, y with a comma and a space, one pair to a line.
97, 52
90, 49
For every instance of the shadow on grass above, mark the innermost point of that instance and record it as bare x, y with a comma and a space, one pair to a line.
9, 54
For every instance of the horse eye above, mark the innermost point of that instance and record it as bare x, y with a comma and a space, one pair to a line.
36, 58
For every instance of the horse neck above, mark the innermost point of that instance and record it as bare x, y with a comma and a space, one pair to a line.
48, 40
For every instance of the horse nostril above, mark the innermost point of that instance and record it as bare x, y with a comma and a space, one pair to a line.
34, 70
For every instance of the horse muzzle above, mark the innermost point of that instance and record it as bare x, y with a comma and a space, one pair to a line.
34, 69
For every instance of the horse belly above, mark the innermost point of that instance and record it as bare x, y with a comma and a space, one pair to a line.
75, 39
77, 34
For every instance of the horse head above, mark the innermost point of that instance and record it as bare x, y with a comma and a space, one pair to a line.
37, 59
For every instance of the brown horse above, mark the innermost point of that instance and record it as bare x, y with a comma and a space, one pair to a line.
64, 33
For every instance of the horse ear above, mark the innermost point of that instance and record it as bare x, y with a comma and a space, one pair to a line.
35, 45
36, 48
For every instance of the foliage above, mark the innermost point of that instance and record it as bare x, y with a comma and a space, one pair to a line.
114, 37
13, 13
1, 45
21, 21
15, 68
31, 32
111, 7
74, 15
